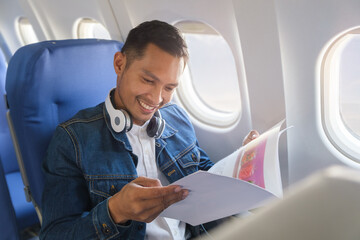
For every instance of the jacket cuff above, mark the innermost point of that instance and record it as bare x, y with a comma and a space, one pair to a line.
104, 224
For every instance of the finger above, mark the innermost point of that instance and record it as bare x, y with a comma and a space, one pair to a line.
173, 198
147, 182
165, 201
160, 204
253, 134
156, 192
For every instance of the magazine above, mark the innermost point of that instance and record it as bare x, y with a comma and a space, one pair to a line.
257, 162
244, 180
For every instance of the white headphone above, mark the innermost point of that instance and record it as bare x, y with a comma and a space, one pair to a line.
121, 120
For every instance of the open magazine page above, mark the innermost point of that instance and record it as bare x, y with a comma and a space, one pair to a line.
244, 180
227, 165
257, 162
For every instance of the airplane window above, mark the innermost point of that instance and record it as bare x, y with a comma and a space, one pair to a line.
209, 87
26, 32
341, 87
90, 28
349, 84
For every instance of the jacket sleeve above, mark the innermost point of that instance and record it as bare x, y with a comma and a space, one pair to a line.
66, 206
205, 162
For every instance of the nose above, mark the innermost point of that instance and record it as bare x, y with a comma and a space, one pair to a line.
157, 97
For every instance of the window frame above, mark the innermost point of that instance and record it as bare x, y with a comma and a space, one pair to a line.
334, 126
189, 98
23, 28
79, 30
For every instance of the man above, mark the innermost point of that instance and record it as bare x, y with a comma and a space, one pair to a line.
107, 168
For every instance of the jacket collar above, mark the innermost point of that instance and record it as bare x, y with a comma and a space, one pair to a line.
168, 131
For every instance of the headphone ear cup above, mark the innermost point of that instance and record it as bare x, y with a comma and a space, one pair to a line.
120, 119
155, 127
128, 120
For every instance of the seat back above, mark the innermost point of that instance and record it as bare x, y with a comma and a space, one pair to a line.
46, 84
8, 225
24, 211
7, 153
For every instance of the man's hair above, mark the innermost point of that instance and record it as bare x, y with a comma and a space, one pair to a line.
163, 35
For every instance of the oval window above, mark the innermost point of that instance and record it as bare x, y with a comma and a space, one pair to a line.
209, 88
90, 28
349, 84
26, 31
341, 98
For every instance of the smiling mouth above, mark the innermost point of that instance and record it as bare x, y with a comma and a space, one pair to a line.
146, 107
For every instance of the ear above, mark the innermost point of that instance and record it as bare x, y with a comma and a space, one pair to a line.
119, 62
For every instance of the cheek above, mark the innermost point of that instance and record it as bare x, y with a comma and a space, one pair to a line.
167, 97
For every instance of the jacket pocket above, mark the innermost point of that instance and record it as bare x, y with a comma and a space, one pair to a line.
189, 162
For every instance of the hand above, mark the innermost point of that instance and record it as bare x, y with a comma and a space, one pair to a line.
143, 200
251, 136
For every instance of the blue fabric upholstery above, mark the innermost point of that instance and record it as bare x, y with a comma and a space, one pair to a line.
8, 227
25, 212
7, 152
49, 82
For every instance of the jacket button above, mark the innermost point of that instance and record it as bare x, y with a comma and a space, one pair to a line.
112, 190
140, 227
105, 229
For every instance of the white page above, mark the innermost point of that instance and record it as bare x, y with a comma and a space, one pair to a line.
213, 197
226, 166
219, 192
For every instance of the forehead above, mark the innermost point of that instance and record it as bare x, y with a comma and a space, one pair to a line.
159, 63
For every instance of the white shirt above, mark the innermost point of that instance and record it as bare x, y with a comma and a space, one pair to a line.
144, 148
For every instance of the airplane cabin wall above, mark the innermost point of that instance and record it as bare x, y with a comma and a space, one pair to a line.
257, 24
305, 29
10, 11
58, 18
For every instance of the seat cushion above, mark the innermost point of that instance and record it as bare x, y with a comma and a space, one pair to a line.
8, 225
25, 212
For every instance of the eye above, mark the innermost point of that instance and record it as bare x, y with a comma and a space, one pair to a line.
169, 89
147, 80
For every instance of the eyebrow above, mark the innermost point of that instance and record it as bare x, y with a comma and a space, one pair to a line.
154, 77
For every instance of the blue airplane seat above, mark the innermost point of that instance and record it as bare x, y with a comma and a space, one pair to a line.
46, 84
8, 224
24, 211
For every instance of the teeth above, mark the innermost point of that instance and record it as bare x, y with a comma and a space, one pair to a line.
146, 106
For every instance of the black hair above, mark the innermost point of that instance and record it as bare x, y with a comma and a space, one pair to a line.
161, 34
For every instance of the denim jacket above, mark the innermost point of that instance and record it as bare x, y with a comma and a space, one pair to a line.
87, 162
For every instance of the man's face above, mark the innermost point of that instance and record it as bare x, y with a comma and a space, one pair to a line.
147, 84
